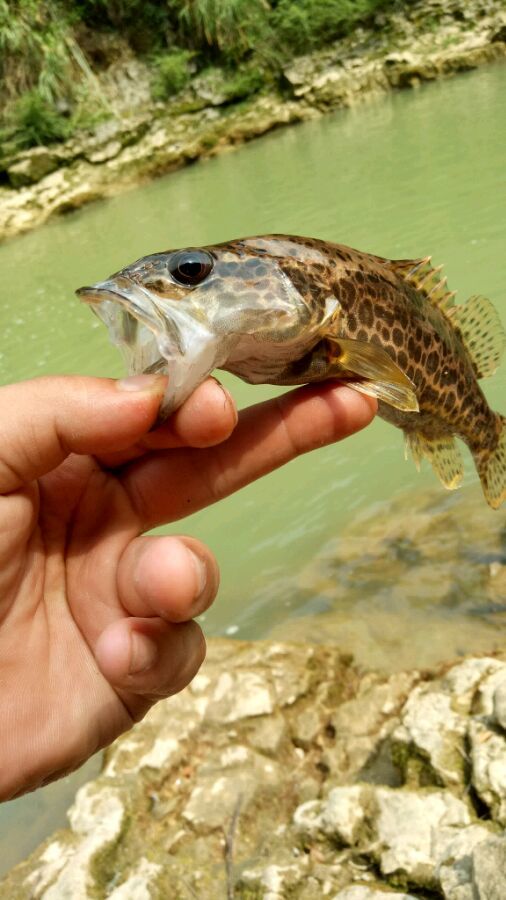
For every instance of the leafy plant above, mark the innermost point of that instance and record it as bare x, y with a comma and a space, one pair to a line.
172, 73
36, 121
227, 27
305, 24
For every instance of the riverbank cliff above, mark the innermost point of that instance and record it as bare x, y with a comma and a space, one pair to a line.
213, 113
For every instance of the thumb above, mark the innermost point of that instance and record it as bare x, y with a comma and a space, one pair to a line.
46, 419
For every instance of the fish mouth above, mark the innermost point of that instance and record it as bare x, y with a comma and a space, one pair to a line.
134, 323
155, 335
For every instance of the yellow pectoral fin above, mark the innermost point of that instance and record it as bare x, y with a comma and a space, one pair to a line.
379, 376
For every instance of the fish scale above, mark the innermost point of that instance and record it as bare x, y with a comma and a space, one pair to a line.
290, 310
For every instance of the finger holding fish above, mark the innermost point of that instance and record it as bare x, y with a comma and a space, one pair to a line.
166, 486
206, 418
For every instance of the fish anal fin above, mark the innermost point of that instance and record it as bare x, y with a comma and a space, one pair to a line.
442, 453
378, 375
491, 466
478, 324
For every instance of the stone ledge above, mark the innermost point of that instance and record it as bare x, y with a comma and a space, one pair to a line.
283, 770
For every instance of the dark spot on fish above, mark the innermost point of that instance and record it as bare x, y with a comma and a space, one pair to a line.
402, 360
359, 277
349, 290
450, 401
362, 335
432, 362
366, 313
397, 337
388, 315
386, 334
427, 340
402, 317
352, 322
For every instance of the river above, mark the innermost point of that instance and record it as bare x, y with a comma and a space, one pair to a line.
406, 175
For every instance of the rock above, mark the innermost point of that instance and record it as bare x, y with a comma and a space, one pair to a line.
441, 549
32, 166
361, 892
499, 704
489, 869
412, 830
476, 869
430, 724
227, 787
488, 758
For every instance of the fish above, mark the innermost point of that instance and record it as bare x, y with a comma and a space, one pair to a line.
288, 310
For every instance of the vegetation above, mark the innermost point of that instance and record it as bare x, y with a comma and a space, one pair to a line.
51, 51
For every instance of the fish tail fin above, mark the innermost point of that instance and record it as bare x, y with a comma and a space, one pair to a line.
491, 466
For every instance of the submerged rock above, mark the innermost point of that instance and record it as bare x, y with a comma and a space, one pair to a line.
408, 584
284, 771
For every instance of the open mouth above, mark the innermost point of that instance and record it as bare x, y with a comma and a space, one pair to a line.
133, 322
155, 336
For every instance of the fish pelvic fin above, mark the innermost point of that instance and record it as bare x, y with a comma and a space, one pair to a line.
480, 328
377, 374
491, 466
443, 455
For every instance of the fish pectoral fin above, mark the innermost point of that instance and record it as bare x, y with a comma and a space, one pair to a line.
378, 375
443, 455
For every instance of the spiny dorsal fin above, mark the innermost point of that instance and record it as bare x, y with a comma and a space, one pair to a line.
425, 278
478, 323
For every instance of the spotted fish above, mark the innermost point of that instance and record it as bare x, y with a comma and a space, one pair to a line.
290, 310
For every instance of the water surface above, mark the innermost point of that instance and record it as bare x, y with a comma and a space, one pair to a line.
410, 174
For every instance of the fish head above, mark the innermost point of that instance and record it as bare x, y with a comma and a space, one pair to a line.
186, 312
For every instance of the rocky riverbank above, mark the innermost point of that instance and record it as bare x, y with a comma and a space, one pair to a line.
434, 40
285, 771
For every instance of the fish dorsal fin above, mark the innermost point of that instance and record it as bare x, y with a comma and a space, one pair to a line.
442, 453
478, 324
424, 277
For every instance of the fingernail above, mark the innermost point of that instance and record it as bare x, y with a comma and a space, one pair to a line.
143, 654
155, 384
201, 572
229, 401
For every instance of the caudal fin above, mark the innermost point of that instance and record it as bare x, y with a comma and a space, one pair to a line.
491, 467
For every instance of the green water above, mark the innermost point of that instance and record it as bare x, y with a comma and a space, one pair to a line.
409, 174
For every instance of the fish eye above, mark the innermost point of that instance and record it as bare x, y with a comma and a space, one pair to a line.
190, 266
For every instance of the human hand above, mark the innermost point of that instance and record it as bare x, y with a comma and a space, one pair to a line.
96, 619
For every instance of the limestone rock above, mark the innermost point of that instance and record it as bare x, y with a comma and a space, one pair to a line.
226, 787
488, 757
32, 166
362, 892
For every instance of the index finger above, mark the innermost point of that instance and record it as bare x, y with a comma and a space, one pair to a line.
166, 486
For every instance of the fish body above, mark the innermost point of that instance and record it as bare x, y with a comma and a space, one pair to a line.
290, 310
